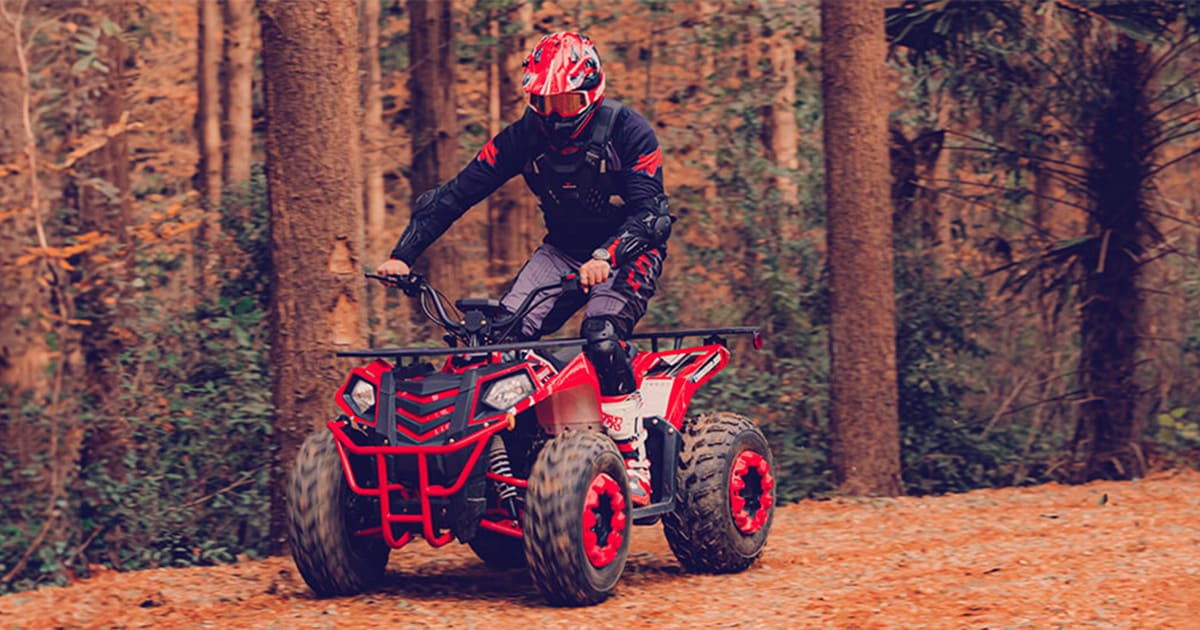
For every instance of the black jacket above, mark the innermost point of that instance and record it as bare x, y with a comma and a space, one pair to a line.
626, 214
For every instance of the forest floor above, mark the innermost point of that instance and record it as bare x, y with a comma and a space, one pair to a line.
1106, 555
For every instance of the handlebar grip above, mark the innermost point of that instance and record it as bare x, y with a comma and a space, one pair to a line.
570, 283
410, 283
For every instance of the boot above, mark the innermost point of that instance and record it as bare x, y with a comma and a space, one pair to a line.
623, 423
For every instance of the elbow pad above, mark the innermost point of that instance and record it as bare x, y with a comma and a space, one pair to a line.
432, 214
646, 230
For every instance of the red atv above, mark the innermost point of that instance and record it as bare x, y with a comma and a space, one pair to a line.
502, 449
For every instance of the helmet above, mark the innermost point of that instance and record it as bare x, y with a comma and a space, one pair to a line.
565, 82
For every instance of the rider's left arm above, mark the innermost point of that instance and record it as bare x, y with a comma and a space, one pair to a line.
640, 185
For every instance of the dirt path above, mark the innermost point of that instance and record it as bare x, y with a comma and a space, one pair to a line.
1121, 555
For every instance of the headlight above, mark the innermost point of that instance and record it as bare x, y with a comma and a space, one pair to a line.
363, 396
505, 392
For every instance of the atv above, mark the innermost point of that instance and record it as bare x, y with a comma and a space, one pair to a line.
502, 448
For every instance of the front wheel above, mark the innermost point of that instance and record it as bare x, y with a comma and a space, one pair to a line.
323, 516
725, 496
577, 519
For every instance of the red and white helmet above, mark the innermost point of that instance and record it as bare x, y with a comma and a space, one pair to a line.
564, 81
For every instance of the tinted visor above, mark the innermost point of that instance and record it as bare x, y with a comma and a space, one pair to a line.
565, 104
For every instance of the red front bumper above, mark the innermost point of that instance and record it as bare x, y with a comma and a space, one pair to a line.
424, 491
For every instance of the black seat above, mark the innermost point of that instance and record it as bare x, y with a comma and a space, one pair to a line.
490, 307
560, 357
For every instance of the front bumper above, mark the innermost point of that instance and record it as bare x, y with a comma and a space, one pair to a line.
417, 507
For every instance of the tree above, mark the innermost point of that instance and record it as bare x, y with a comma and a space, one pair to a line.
104, 198
208, 133
511, 209
862, 333
310, 68
237, 92
779, 128
1109, 75
374, 195
454, 263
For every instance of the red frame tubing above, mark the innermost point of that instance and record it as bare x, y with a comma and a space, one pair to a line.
602, 556
345, 445
746, 522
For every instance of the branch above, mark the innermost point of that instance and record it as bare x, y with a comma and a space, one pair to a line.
1002, 148
1162, 167
247, 477
1010, 189
37, 542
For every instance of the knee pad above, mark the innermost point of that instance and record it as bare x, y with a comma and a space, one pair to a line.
604, 349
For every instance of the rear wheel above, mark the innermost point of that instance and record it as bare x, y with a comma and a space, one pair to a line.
725, 497
577, 519
323, 516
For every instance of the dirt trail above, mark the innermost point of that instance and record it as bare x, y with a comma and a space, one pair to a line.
1119, 555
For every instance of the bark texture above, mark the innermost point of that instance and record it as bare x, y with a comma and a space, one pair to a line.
780, 125
107, 272
238, 91
512, 209
208, 114
863, 393
1121, 154
24, 355
208, 135
455, 263
310, 70
373, 133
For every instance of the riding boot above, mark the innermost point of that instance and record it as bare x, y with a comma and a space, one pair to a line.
623, 423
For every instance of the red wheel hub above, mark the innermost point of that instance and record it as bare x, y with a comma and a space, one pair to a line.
603, 520
751, 491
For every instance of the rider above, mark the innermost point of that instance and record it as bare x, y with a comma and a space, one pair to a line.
596, 169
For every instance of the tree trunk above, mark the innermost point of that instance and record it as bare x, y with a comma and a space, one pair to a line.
108, 271
862, 334
511, 209
1109, 432
373, 139
781, 129
208, 132
238, 92
23, 357
310, 71
455, 263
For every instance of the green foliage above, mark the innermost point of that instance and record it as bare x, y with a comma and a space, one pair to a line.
938, 359
185, 480
1176, 434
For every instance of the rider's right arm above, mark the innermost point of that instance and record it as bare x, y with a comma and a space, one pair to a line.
435, 210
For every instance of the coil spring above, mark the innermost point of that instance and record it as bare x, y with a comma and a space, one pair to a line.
498, 458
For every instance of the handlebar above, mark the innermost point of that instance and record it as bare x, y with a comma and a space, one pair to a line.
472, 333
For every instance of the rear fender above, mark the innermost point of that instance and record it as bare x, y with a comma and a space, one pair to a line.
671, 378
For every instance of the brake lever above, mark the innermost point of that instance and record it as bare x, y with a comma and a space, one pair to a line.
410, 284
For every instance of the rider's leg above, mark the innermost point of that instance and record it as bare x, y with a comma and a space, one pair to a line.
613, 308
548, 264
620, 402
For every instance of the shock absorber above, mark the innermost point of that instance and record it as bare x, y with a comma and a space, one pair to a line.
498, 458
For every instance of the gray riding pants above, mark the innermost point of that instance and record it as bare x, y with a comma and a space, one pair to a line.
622, 298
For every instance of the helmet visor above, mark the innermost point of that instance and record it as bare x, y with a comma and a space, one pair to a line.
566, 104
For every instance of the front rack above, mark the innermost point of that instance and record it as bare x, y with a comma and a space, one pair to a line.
711, 336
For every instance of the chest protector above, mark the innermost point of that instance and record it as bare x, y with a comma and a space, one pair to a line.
574, 186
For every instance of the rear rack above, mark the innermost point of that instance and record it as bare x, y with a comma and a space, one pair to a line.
711, 336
